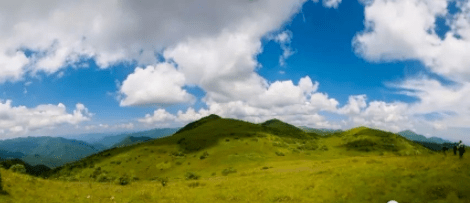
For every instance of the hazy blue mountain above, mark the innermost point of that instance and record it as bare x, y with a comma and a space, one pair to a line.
93, 138
408, 134
10, 155
50, 151
110, 141
130, 140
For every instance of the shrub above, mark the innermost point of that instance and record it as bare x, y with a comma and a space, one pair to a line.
265, 168
204, 155
191, 176
103, 178
279, 144
96, 173
178, 154
308, 146
194, 184
19, 168
324, 148
123, 180
279, 153
228, 171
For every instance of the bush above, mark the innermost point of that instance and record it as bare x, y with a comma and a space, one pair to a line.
279, 153
280, 144
228, 171
19, 168
195, 184
308, 146
103, 178
265, 168
191, 176
324, 148
177, 154
123, 180
204, 155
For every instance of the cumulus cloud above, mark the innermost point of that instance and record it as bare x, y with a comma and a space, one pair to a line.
159, 116
160, 84
62, 32
355, 104
404, 30
298, 104
17, 120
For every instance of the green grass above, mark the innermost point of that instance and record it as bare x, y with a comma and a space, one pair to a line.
423, 178
243, 163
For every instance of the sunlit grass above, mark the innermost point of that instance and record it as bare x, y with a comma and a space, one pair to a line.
240, 164
425, 178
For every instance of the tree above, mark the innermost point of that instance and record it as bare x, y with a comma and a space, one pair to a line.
18, 168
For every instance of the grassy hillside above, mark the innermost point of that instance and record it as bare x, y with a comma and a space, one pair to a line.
227, 160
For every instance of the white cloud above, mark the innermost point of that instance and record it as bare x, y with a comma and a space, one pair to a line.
453, 102
320, 101
355, 104
110, 31
298, 104
331, 3
160, 84
159, 116
17, 120
403, 30
284, 39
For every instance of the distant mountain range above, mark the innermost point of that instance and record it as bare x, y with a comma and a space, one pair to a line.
50, 151
408, 134
130, 140
56, 151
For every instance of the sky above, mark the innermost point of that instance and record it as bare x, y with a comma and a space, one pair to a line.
74, 67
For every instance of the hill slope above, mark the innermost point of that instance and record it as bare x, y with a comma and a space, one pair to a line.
226, 160
214, 144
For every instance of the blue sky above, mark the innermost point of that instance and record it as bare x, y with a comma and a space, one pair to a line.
393, 83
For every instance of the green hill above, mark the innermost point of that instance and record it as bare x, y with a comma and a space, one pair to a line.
366, 139
226, 160
212, 144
